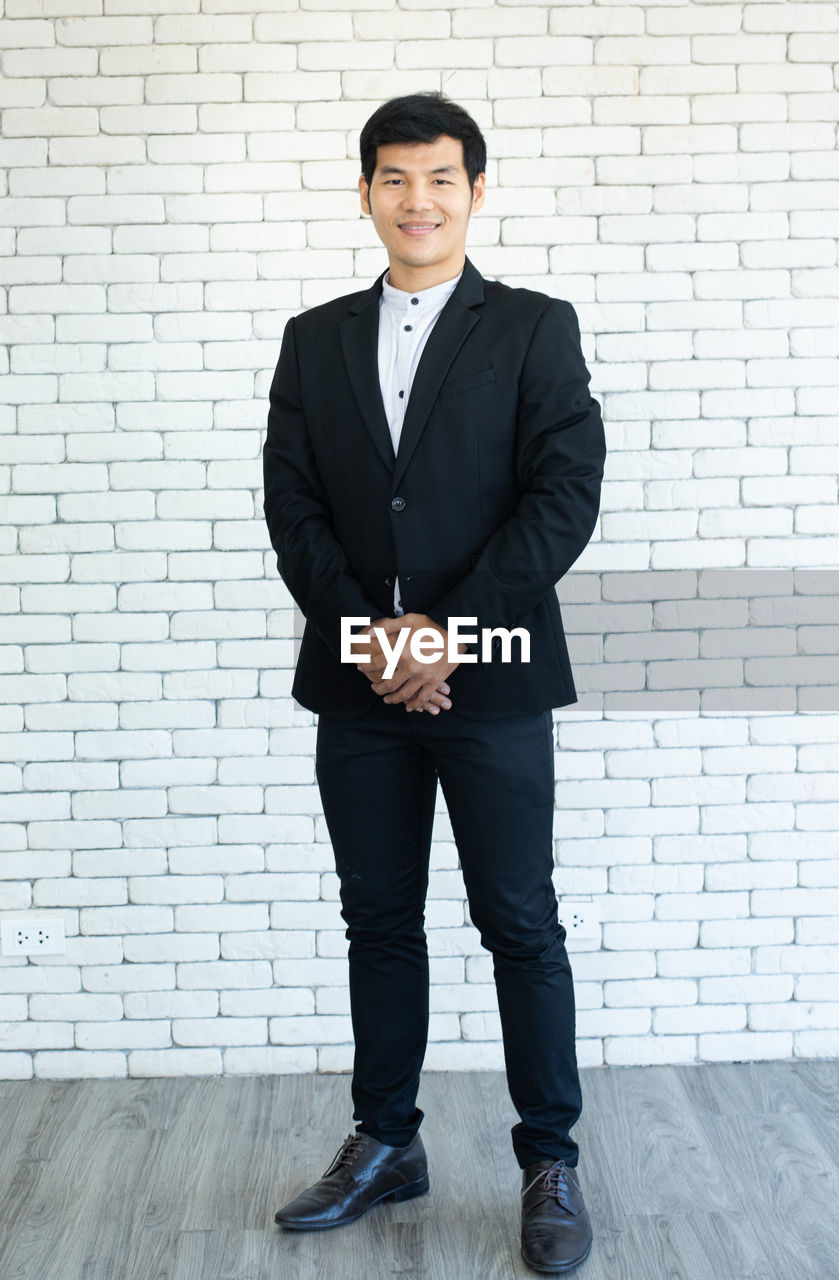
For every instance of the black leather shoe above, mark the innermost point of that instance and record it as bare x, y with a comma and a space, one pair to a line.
364, 1172
555, 1226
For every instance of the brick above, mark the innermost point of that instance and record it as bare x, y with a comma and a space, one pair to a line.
157, 475
23, 630
583, 140
108, 269
401, 25
127, 328
113, 686
69, 777
167, 657
96, 91
286, 28
104, 31
164, 595
34, 478
71, 715
118, 566
163, 535
238, 117
204, 504
791, 786
58, 298
181, 155
650, 935
147, 59
166, 772
18, 33
57, 181
193, 88
251, 57
134, 1035
67, 597
169, 119
201, 325
154, 297
168, 714
133, 803
75, 657
793, 135
37, 213
49, 61
202, 29
166, 1062
789, 490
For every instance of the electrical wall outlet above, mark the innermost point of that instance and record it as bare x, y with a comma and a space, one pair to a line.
580, 919
26, 937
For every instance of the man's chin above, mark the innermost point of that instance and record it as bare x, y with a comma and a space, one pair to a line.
420, 255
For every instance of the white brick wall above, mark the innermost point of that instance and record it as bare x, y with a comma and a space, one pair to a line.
173, 186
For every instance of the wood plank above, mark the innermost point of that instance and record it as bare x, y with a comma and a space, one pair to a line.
708, 1172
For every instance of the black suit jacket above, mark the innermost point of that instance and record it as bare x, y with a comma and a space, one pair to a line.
492, 496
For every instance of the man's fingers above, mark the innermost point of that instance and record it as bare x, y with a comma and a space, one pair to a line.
424, 695
373, 673
436, 703
389, 625
405, 691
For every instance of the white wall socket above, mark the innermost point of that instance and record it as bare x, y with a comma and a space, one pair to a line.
25, 937
580, 919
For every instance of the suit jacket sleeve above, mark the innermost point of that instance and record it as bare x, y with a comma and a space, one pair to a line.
310, 559
560, 455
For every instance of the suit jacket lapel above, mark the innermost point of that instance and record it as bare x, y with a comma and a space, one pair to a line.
360, 340
455, 322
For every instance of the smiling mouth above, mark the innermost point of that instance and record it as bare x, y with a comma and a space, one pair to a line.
418, 228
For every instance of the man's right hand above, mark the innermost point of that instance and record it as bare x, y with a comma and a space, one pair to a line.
436, 702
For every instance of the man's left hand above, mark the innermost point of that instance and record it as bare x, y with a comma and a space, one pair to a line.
412, 682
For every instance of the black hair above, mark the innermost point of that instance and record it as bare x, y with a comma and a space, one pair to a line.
422, 117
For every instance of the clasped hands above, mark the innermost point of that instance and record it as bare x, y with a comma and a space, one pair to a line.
422, 686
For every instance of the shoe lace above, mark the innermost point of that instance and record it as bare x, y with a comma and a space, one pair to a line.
350, 1150
553, 1176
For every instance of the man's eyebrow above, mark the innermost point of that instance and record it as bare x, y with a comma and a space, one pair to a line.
443, 168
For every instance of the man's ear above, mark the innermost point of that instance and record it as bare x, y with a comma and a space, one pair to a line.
478, 192
364, 193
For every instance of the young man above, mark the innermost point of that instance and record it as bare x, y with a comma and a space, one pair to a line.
433, 455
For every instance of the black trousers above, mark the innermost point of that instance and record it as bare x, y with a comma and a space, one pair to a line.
378, 780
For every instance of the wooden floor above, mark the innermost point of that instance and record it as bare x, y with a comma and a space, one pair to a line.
723, 1172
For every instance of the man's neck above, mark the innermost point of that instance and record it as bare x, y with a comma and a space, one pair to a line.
414, 280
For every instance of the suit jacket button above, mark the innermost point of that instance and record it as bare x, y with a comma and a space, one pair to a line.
398, 504
389, 580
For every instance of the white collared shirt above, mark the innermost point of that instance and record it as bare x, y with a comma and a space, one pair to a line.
405, 321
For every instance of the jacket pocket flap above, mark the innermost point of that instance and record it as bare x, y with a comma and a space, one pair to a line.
466, 382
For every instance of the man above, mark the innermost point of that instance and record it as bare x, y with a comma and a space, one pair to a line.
433, 454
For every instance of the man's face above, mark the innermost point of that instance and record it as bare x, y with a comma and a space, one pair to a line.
420, 202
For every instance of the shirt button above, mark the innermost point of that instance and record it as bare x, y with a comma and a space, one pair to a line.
398, 504
415, 302
408, 328
401, 395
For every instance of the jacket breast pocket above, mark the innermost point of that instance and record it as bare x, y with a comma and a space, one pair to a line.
466, 382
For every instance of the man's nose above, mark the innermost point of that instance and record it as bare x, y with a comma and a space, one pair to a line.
416, 197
